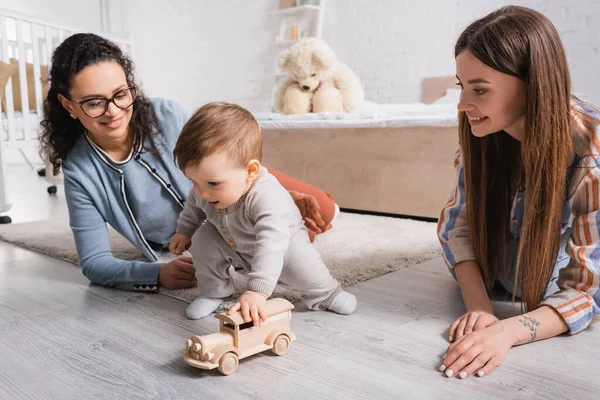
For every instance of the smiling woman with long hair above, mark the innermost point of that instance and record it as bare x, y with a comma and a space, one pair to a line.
524, 212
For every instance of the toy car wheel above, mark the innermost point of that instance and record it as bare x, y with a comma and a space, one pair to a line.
228, 363
281, 345
52, 189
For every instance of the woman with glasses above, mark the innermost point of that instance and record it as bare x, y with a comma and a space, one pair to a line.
115, 147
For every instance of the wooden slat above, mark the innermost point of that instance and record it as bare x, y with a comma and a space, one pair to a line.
4, 206
49, 51
36, 70
10, 113
49, 48
23, 79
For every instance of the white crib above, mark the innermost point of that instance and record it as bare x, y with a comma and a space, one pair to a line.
31, 42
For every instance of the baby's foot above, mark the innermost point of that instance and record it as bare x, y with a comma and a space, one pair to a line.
201, 307
344, 303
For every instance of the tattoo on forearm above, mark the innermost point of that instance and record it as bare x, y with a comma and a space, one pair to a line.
532, 324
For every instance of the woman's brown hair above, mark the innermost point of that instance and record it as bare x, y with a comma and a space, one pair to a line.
522, 43
59, 132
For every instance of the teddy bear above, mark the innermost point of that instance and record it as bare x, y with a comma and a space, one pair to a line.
317, 81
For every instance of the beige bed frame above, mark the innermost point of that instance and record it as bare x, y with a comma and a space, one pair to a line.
400, 170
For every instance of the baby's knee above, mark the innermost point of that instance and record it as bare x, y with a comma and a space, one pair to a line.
206, 240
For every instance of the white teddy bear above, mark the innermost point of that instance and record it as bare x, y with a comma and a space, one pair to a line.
317, 81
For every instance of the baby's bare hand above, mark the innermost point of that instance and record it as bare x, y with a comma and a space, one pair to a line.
252, 305
179, 243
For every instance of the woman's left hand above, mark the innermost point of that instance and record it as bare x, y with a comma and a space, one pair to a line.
479, 352
309, 208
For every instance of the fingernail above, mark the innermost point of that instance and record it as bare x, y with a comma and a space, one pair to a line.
449, 373
462, 375
442, 368
481, 373
444, 356
450, 338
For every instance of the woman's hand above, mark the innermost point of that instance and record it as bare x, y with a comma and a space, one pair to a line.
179, 243
470, 322
479, 352
252, 305
177, 274
309, 208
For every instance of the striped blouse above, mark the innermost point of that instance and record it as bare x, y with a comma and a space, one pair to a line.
579, 296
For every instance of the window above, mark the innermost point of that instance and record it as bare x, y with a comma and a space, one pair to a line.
246, 325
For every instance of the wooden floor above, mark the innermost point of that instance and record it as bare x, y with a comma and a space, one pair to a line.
62, 338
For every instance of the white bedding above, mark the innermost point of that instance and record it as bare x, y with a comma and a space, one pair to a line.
372, 115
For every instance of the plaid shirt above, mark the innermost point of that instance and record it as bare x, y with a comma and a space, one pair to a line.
579, 295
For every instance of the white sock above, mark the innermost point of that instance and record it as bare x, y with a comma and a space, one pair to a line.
344, 303
201, 307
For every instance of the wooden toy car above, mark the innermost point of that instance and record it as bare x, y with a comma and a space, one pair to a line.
238, 339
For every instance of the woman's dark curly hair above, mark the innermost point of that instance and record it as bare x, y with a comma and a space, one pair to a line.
59, 132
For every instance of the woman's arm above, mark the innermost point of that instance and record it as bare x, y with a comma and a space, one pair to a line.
93, 248
539, 324
472, 287
482, 351
579, 282
453, 233
569, 310
480, 313
453, 229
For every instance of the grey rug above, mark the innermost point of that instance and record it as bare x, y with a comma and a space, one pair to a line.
359, 247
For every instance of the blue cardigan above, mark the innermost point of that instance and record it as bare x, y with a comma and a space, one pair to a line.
96, 195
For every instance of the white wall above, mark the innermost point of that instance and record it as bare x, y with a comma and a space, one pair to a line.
579, 25
195, 52
83, 14
392, 45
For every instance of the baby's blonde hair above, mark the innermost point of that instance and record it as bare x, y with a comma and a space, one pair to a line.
219, 127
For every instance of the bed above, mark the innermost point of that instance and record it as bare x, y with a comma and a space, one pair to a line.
26, 46
394, 159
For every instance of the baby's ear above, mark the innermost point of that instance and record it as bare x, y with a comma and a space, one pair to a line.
252, 169
283, 60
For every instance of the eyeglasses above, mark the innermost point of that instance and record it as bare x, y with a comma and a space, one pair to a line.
96, 107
